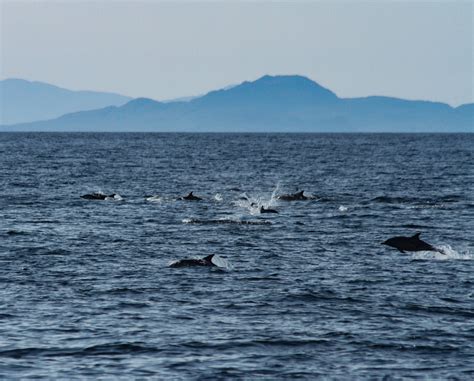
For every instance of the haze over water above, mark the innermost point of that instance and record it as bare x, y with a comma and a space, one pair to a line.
87, 291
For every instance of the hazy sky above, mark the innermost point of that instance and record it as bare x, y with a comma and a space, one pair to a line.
162, 50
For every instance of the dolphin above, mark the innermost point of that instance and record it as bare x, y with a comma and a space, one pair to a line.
293, 197
191, 197
264, 210
206, 261
97, 196
413, 243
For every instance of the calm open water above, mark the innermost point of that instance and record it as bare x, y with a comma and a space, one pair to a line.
86, 291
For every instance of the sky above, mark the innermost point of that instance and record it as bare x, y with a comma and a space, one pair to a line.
166, 50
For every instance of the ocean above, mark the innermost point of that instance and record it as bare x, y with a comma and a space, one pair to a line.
305, 293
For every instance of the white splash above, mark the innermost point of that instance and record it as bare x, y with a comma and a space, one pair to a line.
254, 202
221, 262
218, 197
116, 197
154, 199
446, 253
274, 196
342, 208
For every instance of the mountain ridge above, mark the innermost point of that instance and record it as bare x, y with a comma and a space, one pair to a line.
24, 101
289, 103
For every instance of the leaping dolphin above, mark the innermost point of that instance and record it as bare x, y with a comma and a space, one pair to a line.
206, 261
413, 243
191, 197
97, 196
293, 197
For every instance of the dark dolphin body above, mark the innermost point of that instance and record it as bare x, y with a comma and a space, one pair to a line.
413, 243
264, 210
191, 197
97, 196
293, 197
206, 261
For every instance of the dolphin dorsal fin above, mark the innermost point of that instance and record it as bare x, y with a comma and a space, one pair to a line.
190, 194
300, 193
209, 258
416, 236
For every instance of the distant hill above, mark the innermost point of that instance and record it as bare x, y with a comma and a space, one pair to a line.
269, 104
24, 101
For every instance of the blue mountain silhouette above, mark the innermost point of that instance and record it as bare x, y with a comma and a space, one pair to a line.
288, 103
24, 101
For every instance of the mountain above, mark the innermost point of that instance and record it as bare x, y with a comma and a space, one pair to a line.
24, 101
269, 104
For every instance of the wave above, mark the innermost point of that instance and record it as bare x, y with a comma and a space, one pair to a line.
417, 200
440, 310
56, 252
415, 226
327, 295
114, 349
296, 342
6, 316
122, 291
409, 347
16, 232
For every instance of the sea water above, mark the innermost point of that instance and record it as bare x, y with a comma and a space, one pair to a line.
86, 291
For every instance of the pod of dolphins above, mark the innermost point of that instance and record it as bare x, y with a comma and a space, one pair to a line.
401, 243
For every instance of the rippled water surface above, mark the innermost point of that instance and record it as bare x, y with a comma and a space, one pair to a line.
86, 290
